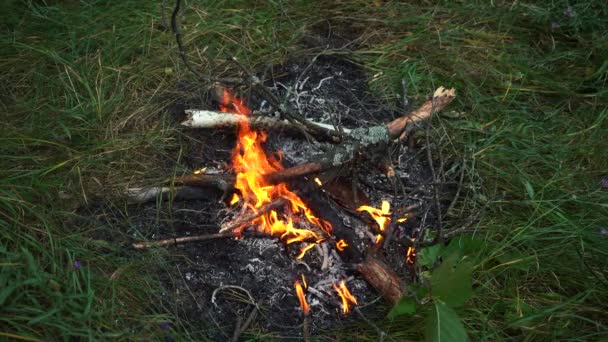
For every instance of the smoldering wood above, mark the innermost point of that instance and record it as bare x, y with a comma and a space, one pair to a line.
374, 271
382, 278
276, 204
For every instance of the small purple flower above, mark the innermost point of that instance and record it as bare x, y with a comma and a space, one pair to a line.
569, 12
604, 231
165, 326
77, 265
604, 183
555, 25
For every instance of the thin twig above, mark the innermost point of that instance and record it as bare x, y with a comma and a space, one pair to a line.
381, 333
240, 329
429, 156
306, 328
457, 194
177, 241
184, 56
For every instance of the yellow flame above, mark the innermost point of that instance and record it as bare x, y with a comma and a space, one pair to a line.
235, 199
302, 297
345, 296
251, 163
381, 216
318, 181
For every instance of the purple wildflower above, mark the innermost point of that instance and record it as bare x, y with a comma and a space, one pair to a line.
569, 12
165, 326
604, 183
77, 265
555, 25
604, 231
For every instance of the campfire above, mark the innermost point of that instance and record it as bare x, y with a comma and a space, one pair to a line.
336, 242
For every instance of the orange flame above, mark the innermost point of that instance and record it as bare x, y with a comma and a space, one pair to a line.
381, 216
250, 163
345, 296
301, 297
340, 245
235, 199
304, 250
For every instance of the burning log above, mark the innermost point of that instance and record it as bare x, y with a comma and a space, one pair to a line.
375, 272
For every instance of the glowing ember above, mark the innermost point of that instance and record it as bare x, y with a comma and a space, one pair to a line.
410, 255
381, 216
345, 296
304, 250
301, 296
250, 164
318, 181
235, 199
340, 245
199, 171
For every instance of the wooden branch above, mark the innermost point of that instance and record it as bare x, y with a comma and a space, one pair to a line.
441, 98
183, 193
177, 241
215, 119
382, 278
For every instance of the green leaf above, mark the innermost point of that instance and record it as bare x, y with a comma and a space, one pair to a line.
444, 325
451, 281
405, 305
427, 256
465, 245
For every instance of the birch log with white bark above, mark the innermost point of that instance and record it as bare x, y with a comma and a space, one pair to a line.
215, 119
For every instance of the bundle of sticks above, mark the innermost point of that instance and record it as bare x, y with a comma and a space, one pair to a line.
348, 145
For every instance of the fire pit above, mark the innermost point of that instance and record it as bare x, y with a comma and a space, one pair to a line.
288, 235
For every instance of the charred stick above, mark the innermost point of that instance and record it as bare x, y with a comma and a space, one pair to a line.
205, 237
276, 204
177, 241
144, 195
306, 328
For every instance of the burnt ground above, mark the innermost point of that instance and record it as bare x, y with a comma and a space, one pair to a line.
326, 89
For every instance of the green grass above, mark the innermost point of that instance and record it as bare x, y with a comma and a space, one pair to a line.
83, 92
